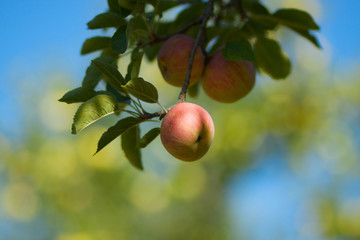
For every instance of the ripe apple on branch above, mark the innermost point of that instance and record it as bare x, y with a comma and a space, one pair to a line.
216, 44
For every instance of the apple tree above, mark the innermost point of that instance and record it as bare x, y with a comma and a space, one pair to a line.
216, 45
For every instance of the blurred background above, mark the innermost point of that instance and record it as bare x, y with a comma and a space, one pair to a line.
284, 163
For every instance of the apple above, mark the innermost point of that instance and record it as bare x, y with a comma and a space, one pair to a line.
228, 81
187, 131
174, 57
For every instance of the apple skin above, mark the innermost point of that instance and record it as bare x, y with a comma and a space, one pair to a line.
174, 57
187, 131
228, 81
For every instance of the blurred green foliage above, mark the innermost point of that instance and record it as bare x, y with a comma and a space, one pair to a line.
51, 179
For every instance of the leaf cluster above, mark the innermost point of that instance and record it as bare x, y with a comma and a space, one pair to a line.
242, 29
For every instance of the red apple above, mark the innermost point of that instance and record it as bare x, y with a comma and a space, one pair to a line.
174, 57
187, 131
228, 81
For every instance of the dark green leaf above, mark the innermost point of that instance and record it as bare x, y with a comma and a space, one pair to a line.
76, 95
105, 20
295, 18
92, 110
95, 44
238, 51
149, 137
142, 89
119, 41
128, 4
129, 144
119, 97
134, 66
189, 14
114, 76
136, 28
152, 51
114, 6
93, 75
119, 128
270, 58
309, 36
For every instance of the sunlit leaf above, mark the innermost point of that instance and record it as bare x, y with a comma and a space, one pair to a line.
129, 144
92, 110
142, 89
237, 51
119, 128
119, 40
270, 58
105, 20
95, 44
80, 94
149, 137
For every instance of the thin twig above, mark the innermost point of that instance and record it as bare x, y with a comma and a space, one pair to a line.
205, 17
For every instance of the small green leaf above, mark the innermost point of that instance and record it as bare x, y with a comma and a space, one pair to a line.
270, 58
119, 40
149, 137
76, 95
92, 110
134, 65
93, 75
142, 89
129, 144
114, 76
238, 51
105, 20
152, 51
95, 44
119, 128
295, 18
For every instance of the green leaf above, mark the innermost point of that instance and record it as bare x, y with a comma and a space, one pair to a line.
134, 65
128, 4
95, 44
114, 6
137, 29
295, 18
238, 51
119, 97
76, 95
114, 76
119, 128
270, 58
92, 110
194, 11
119, 40
142, 89
93, 75
149, 137
129, 144
308, 36
105, 20
152, 51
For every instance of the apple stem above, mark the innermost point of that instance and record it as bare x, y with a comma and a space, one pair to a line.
205, 17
